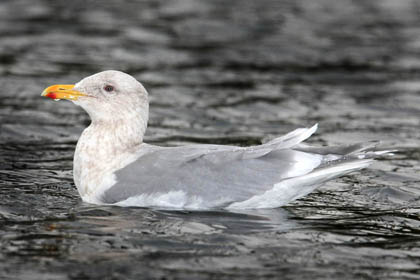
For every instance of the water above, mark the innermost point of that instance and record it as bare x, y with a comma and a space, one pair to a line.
224, 72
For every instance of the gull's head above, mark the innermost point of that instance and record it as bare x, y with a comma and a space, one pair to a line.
106, 96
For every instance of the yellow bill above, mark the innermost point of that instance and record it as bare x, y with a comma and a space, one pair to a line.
62, 92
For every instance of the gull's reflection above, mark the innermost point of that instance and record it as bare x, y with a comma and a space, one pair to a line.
146, 220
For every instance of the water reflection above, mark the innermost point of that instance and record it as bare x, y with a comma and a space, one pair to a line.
177, 222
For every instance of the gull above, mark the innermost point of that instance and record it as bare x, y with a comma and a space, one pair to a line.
113, 166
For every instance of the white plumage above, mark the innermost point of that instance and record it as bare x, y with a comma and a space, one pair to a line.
112, 165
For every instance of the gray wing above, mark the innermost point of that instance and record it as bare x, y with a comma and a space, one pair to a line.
218, 175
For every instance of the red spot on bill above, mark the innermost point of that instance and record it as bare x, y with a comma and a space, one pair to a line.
51, 95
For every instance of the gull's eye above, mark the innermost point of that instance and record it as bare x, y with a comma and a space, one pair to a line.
108, 88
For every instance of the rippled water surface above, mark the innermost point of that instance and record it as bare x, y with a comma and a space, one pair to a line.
225, 72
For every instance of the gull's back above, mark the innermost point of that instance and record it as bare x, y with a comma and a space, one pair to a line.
215, 176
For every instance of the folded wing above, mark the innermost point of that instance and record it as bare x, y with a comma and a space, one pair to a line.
208, 176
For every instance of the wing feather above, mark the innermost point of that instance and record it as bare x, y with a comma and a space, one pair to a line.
215, 174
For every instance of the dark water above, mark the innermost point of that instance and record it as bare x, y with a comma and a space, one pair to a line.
230, 72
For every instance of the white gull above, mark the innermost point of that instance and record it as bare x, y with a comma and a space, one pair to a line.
112, 164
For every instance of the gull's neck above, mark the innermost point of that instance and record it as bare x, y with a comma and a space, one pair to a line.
106, 146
